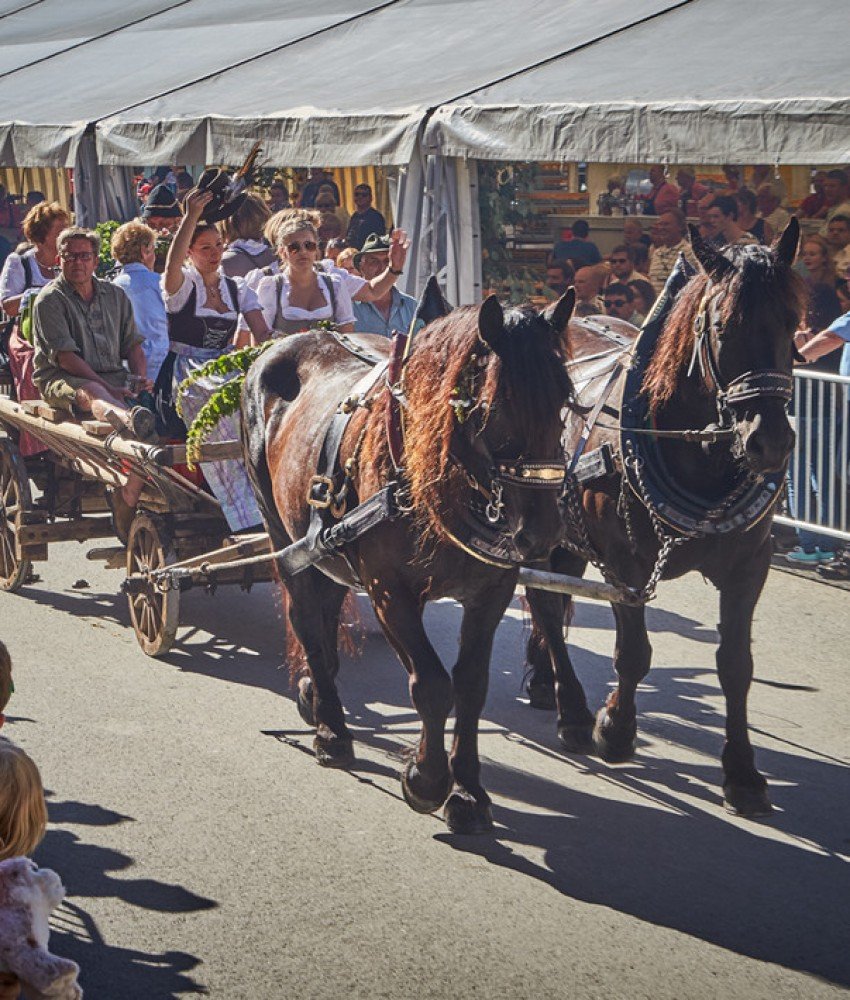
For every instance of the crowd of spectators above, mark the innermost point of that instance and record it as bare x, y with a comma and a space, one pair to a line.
167, 188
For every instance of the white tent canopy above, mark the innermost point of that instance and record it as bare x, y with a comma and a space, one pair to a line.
359, 92
708, 81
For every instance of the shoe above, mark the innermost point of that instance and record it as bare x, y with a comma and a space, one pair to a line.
142, 423
122, 514
800, 557
838, 569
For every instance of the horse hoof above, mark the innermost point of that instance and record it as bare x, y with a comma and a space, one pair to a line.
464, 814
612, 744
541, 696
335, 751
746, 800
304, 701
576, 738
423, 796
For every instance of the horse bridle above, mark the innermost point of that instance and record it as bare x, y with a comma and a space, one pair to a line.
761, 383
489, 476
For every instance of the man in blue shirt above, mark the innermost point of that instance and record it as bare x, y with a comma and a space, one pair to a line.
579, 251
811, 347
395, 310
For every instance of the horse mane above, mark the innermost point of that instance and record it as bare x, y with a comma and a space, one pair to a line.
447, 352
759, 284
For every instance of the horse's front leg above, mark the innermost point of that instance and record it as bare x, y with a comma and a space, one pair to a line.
744, 789
468, 807
425, 780
615, 732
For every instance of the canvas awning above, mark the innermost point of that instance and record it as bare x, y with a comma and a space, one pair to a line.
708, 81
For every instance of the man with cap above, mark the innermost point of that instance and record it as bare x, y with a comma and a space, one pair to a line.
394, 310
162, 209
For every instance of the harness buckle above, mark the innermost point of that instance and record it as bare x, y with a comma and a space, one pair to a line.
320, 495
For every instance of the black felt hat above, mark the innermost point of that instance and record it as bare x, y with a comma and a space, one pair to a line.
373, 244
161, 202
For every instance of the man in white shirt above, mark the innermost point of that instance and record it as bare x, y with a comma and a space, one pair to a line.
838, 238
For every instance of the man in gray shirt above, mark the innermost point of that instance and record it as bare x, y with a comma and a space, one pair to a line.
83, 328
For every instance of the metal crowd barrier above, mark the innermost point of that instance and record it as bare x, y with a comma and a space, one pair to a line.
818, 479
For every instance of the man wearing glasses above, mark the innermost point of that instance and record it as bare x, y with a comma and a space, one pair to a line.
620, 302
622, 261
365, 220
83, 328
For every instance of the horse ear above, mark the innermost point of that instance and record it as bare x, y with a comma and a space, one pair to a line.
491, 322
560, 312
714, 263
432, 305
785, 248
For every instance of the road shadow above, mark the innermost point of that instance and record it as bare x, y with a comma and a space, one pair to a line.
141, 975
683, 867
86, 870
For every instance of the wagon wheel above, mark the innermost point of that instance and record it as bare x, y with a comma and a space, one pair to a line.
15, 501
155, 614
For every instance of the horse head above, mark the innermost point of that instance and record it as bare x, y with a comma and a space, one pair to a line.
743, 342
517, 425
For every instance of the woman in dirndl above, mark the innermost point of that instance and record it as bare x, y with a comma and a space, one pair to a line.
203, 307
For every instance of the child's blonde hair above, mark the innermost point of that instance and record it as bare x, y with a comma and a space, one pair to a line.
23, 812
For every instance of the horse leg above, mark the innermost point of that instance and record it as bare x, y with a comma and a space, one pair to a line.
541, 650
314, 606
575, 720
744, 789
615, 731
468, 807
426, 779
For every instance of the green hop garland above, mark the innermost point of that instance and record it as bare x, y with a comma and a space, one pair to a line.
224, 401
228, 397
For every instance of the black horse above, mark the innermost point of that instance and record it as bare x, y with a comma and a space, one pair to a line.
722, 363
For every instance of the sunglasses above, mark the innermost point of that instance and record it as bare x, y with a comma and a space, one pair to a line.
85, 255
616, 303
296, 247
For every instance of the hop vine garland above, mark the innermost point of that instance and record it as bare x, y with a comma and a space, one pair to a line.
228, 397
224, 401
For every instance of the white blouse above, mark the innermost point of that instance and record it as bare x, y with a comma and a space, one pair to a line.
247, 300
267, 295
13, 280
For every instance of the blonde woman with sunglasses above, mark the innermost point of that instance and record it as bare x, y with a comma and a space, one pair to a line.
299, 296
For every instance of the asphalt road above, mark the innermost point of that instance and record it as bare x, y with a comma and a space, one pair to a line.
205, 852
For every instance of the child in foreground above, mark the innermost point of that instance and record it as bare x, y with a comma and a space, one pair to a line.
23, 812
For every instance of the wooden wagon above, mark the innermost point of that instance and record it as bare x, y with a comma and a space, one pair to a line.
60, 496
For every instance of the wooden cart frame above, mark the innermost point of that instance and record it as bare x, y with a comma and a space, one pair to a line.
176, 522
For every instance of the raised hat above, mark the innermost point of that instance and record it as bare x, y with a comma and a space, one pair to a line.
374, 244
161, 202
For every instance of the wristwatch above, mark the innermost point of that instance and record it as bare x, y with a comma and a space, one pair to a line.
396, 273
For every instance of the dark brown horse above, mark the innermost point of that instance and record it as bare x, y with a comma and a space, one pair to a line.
485, 395
722, 361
